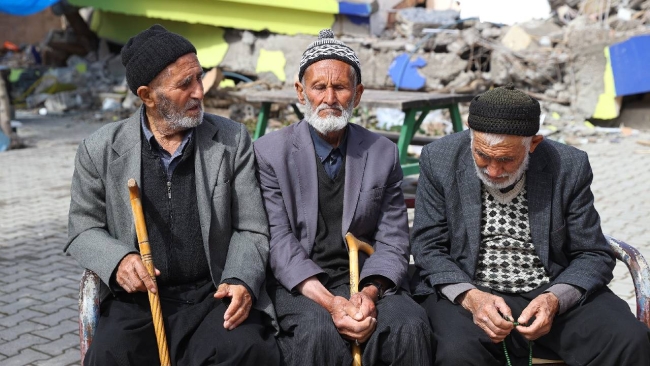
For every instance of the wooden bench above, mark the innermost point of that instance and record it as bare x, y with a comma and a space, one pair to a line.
411, 103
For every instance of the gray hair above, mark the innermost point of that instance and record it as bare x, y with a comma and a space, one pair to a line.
494, 139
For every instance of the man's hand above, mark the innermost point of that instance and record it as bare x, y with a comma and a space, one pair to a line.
543, 308
349, 319
488, 312
132, 275
364, 302
240, 304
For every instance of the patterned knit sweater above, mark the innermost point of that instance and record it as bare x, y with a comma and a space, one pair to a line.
507, 259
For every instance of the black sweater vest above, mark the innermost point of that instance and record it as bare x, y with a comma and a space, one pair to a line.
172, 217
329, 251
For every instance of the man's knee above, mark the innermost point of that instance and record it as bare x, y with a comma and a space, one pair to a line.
633, 338
413, 328
462, 351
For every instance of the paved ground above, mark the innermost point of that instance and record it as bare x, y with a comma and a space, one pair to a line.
39, 285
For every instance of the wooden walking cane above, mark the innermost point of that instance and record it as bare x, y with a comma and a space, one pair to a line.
145, 252
354, 246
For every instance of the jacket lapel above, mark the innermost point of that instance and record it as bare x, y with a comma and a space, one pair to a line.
207, 164
303, 158
127, 144
469, 189
539, 186
355, 164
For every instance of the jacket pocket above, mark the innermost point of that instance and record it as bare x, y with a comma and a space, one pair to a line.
374, 194
221, 189
369, 205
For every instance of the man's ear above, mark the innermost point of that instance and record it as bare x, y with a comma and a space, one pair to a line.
535, 141
357, 98
300, 91
146, 95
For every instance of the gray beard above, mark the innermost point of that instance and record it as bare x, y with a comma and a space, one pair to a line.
512, 178
177, 120
330, 123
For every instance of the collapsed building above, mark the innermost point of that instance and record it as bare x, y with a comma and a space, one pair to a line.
575, 56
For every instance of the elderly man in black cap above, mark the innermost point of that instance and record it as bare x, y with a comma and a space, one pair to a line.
321, 178
203, 208
509, 248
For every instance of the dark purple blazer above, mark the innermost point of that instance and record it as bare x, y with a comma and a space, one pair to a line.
373, 207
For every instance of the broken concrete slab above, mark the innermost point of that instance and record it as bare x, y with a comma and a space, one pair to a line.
443, 66
589, 69
411, 21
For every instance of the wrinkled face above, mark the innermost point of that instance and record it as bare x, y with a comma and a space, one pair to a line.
179, 92
502, 164
330, 92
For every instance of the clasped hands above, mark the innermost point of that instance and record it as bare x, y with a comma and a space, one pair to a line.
132, 276
355, 319
491, 314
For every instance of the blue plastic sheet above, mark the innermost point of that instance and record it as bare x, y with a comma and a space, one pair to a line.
630, 65
24, 7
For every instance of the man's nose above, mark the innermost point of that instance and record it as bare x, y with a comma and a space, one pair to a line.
197, 91
494, 170
330, 96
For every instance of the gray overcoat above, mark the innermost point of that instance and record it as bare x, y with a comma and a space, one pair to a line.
564, 224
373, 203
101, 230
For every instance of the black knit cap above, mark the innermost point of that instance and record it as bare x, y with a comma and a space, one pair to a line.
326, 47
148, 53
504, 111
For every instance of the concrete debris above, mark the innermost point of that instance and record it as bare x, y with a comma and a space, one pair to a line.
65, 101
558, 59
411, 21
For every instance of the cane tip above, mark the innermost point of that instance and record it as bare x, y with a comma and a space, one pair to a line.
132, 183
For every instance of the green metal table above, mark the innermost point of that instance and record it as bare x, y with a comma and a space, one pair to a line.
411, 103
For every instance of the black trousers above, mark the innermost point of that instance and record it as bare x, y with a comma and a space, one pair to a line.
309, 337
600, 332
194, 327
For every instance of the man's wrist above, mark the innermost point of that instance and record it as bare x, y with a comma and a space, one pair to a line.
375, 288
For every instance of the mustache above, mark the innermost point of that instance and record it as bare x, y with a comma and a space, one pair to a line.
326, 106
504, 175
192, 103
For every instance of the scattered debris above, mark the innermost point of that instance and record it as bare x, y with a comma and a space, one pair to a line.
556, 51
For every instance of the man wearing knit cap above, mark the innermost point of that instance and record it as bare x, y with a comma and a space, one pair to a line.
508, 247
322, 178
203, 209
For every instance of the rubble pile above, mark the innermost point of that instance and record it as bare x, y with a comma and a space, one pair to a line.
558, 59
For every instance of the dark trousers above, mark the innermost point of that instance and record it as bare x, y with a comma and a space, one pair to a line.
309, 337
194, 328
600, 332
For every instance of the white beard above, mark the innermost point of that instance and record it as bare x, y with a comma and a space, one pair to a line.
331, 123
177, 120
512, 177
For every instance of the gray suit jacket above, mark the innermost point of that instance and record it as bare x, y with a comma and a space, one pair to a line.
373, 207
564, 224
101, 229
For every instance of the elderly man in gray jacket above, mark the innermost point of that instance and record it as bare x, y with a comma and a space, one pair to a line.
509, 247
320, 179
203, 208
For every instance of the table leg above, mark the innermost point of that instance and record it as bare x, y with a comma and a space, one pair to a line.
456, 120
262, 120
406, 134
